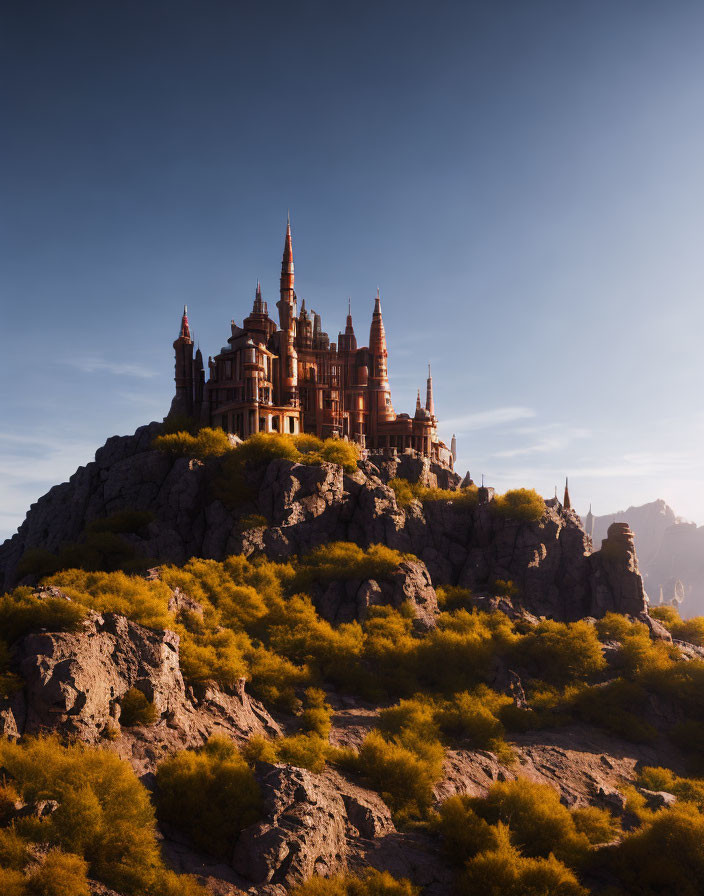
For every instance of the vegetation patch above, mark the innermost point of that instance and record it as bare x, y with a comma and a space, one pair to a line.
103, 827
210, 794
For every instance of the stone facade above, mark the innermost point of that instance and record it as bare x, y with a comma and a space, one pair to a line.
291, 379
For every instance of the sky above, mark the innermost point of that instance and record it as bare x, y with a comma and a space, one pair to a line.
522, 179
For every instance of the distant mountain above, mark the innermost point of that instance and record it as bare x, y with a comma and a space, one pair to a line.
670, 552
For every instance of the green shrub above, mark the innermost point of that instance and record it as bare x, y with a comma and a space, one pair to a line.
22, 612
537, 820
503, 871
561, 652
206, 443
60, 874
404, 776
617, 707
689, 790
12, 883
665, 855
371, 883
210, 794
452, 597
317, 715
520, 504
136, 709
406, 492
691, 630
104, 815
463, 831
341, 560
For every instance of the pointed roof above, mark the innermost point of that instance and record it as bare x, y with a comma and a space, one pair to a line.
185, 329
377, 335
287, 261
418, 405
349, 329
429, 403
566, 503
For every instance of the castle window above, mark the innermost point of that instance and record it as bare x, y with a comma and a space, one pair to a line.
292, 424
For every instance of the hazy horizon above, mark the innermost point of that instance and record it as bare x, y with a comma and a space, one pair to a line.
521, 180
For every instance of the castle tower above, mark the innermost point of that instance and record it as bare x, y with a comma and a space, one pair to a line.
348, 341
379, 392
566, 503
453, 448
419, 407
589, 523
288, 357
182, 402
429, 403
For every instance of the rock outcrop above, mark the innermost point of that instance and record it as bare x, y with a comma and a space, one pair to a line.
74, 682
549, 560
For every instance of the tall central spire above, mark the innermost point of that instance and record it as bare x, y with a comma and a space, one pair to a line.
287, 262
185, 329
429, 403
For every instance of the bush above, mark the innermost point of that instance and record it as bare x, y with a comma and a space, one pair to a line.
22, 612
503, 871
520, 504
561, 652
206, 443
537, 820
136, 709
689, 790
464, 832
60, 874
341, 560
406, 492
371, 883
691, 630
404, 777
104, 814
617, 707
12, 883
317, 715
210, 794
666, 855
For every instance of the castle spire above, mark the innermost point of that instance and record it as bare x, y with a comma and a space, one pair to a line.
429, 403
258, 307
185, 329
566, 503
349, 329
418, 405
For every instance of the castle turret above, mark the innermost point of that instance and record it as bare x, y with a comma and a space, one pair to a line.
380, 393
288, 357
453, 448
348, 341
182, 402
589, 523
566, 503
429, 403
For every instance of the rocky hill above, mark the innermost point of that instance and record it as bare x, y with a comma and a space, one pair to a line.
670, 553
343, 679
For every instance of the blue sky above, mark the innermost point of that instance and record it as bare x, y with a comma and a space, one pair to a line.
523, 180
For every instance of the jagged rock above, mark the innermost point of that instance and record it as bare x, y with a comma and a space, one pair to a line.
617, 583
549, 560
74, 681
349, 600
303, 833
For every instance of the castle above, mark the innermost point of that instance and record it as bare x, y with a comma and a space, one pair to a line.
292, 379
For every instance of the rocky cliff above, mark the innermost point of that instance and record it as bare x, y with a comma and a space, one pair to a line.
332, 818
549, 561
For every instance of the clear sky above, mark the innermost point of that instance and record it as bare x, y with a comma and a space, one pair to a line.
522, 179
